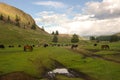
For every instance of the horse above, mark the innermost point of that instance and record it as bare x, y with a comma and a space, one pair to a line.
45, 45
105, 47
2, 46
95, 44
28, 48
74, 46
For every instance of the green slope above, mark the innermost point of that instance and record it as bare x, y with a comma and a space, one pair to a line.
11, 34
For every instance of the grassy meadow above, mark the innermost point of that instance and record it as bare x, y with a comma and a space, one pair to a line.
36, 62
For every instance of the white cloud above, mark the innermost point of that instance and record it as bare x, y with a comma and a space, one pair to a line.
102, 18
54, 4
105, 9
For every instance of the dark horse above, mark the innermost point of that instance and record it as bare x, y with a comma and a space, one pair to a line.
2, 46
74, 46
105, 47
45, 45
28, 48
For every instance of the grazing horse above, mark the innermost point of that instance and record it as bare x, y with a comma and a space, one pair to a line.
95, 44
28, 48
45, 45
74, 46
105, 47
2, 46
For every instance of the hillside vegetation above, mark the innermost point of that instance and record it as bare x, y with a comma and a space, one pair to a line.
11, 34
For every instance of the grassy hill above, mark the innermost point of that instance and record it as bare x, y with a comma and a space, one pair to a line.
18, 27
11, 34
13, 14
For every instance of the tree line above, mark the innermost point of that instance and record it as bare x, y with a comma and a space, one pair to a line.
111, 38
16, 21
74, 39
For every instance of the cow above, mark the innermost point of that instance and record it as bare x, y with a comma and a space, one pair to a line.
28, 48
105, 47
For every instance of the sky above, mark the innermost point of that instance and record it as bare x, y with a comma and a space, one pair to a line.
82, 17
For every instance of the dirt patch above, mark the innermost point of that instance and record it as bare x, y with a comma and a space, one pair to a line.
17, 76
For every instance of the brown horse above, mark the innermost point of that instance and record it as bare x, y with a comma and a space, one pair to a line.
105, 47
28, 48
74, 46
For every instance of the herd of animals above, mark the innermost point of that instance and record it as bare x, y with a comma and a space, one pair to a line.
30, 47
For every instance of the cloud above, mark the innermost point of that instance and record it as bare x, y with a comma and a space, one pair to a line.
99, 18
104, 9
54, 4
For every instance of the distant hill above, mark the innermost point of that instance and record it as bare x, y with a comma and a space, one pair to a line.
117, 34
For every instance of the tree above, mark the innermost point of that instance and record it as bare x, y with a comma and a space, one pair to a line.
55, 39
75, 38
57, 33
53, 33
43, 28
8, 19
17, 19
92, 38
1, 17
114, 38
33, 26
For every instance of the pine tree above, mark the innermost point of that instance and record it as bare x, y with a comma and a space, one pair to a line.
8, 19
1, 17
57, 33
43, 28
55, 39
17, 19
33, 26
53, 33
75, 38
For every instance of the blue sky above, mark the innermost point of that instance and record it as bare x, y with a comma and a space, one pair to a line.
83, 17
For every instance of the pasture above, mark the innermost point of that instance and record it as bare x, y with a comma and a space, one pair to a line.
41, 60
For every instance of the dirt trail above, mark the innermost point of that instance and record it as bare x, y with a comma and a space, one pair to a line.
91, 54
17, 76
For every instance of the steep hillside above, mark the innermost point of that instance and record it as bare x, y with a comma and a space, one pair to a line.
17, 27
16, 16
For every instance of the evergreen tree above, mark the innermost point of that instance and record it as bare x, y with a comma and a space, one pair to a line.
92, 38
17, 19
57, 33
114, 38
53, 33
55, 39
75, 38
8, 19
33, 26
43, 28
1, 17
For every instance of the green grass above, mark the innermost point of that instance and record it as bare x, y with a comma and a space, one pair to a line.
13, 35
33, 63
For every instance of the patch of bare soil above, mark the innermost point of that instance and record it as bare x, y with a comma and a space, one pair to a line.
17, 76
